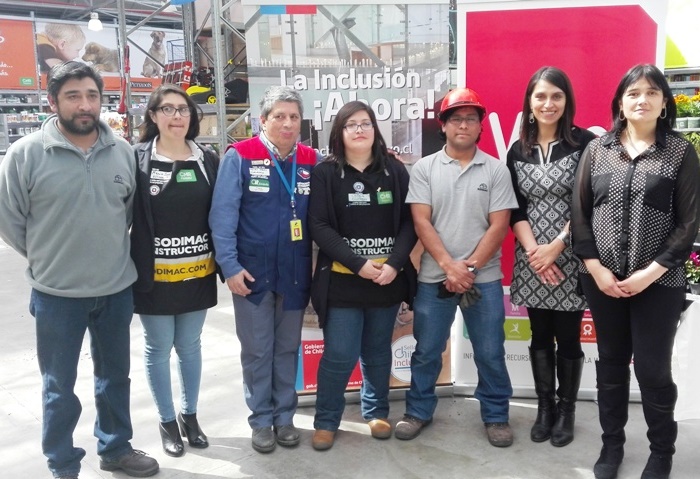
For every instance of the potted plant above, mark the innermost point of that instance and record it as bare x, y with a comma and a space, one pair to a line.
692, 272
694, 138
694, 112
682, 110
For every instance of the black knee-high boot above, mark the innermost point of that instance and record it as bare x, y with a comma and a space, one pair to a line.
613, 382
542, 361
569, 375
658, 405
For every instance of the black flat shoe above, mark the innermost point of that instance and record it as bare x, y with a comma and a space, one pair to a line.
170, 436
189, 427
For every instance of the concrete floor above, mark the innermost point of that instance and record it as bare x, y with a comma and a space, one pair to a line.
453, 446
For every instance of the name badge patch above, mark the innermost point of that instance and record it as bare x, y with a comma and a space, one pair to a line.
159, 177
259, 172
385, 197
356, 199
186, 176
259, 185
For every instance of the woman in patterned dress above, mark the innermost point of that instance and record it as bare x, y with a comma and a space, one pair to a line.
636, 208
543, 164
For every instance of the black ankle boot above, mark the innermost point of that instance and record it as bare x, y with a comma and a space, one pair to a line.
542, 361
189, 427
608, 463
170, 436
658, 467
569, 375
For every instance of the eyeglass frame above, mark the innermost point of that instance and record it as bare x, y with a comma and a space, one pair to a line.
190, 111
353, 127
458, 120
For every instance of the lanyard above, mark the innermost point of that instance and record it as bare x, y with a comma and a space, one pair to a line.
290, 189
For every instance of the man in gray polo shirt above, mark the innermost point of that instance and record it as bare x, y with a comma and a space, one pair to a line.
460, 200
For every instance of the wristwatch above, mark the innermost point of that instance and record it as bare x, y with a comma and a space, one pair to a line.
564, 237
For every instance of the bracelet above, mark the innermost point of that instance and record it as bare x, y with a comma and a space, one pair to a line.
564, 238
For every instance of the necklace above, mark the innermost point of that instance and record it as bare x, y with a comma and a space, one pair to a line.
629, 139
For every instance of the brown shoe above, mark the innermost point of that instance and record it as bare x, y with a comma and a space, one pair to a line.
323, 439
380, 428
499, 434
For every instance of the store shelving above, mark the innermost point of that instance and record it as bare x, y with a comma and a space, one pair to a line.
19, 111
4, 139
16, 101
14, 126
684, 80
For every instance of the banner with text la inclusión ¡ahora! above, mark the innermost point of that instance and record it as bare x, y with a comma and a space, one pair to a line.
394, 57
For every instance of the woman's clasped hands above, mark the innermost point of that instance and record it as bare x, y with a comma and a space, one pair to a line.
380, 273
542, 260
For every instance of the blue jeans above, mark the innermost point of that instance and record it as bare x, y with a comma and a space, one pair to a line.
60, 327
161, 333
432, 320
270, 338
349, 334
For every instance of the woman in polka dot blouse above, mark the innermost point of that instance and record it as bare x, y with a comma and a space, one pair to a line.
634, 219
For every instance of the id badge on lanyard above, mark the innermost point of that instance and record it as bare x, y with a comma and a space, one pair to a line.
295, 229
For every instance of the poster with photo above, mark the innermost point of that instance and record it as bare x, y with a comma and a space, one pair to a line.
16, 71
58, 41
394, 57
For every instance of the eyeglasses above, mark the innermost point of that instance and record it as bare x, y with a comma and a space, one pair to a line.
364, 126
458, 120
170, 110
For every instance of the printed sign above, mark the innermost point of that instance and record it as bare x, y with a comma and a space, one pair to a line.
17, 71
394, 57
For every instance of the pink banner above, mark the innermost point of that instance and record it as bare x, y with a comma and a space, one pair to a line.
595, 46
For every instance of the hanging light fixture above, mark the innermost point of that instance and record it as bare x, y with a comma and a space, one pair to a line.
94, 24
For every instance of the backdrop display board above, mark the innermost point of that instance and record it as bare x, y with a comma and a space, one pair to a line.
43, 43
682, 48
393, 57
518, 336
501, 44
101, 50
686, 361
402, 347
17, 71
